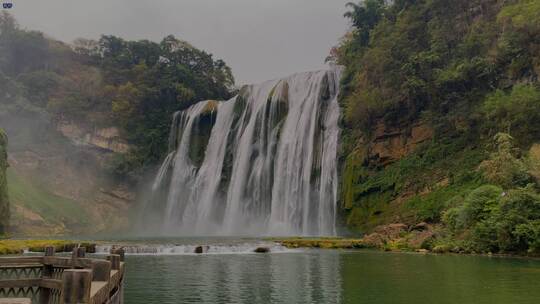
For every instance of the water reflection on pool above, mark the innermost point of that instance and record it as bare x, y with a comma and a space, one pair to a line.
330, 276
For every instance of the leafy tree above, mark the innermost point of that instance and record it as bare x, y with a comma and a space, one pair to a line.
518, 220
365, 17
529, 233
495, 221
503, 167
515, 112
518, 43
533, 162
17, 46
79, 95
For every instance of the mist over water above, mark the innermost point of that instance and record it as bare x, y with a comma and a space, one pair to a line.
262, 163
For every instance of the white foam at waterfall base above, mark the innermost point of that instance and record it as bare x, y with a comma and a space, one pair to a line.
189, 249
269, 168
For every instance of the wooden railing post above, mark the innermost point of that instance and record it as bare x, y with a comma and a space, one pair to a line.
119, 251
50, 251
76, 284
78, 252
115, 261
101, 270
46, 272
89, 280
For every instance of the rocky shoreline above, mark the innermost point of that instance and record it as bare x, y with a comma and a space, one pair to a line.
420, 238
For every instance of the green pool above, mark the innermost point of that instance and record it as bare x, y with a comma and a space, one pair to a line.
330, 276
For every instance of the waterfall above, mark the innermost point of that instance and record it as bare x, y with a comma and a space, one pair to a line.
262, 163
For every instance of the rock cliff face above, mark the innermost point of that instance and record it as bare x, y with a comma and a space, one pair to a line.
4, 202
391, 144
108, 139
59, 183
370, 193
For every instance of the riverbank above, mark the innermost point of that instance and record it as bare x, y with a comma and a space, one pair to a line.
20, 246
324, 243
346, 243
421, 238
393, 237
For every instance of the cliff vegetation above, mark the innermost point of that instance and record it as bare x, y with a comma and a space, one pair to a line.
441, 107
134, 86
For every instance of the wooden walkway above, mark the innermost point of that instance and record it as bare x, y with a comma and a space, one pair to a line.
51, 279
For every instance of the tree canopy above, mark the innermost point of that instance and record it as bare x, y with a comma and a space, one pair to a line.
134, 85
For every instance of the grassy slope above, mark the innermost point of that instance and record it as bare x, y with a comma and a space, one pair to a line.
54, 210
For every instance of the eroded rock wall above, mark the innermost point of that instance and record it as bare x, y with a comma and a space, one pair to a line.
108, 139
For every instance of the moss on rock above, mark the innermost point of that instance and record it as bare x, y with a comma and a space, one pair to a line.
210, 108
202, 131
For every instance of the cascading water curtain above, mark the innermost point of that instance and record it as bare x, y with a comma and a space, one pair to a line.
262, 163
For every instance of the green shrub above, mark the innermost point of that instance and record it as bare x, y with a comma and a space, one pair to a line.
529, 233
484, 237
533, 162
516, 112
503, 167
476, 206
479, 205
519, 211
490, 220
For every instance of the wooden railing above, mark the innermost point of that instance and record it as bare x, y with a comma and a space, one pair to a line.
51, 279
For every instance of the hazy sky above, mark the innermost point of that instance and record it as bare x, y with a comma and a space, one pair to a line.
259, 39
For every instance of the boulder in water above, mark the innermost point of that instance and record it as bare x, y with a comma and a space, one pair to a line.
201, 249
262, 250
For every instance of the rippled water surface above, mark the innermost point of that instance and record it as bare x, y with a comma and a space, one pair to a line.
329, 276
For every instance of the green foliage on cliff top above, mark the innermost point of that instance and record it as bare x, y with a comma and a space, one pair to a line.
134, 85
443, 56
468, 70
514, 111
